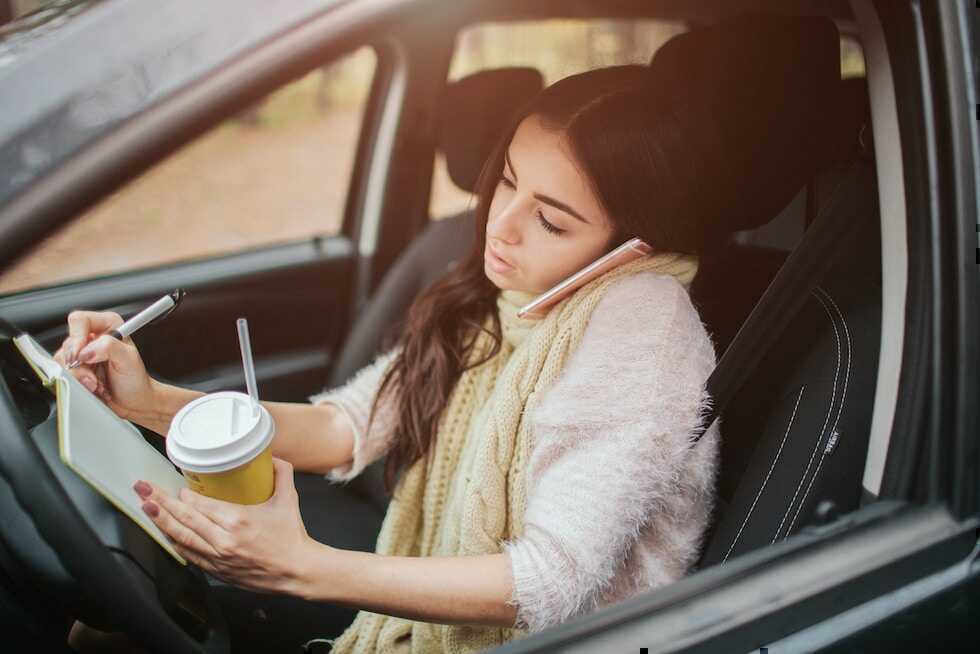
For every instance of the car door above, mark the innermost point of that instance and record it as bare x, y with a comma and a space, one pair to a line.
256, 218
900, 573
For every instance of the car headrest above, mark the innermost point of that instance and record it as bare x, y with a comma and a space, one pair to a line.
476, 111
771, 87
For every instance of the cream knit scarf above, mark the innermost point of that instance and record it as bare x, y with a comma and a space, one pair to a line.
494, 499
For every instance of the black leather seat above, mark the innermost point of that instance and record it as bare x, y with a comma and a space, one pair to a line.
732, 275
797, 432
796, 435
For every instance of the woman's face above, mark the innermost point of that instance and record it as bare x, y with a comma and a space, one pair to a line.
545, 222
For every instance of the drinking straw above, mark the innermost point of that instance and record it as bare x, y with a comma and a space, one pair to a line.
253, 391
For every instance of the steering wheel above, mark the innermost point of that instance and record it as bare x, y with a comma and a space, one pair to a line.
86, 557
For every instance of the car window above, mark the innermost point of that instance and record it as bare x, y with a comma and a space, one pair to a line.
276, 172
851, 58
557, 48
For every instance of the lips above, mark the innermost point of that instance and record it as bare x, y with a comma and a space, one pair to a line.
500, 258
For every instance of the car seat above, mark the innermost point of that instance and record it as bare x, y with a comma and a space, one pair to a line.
725, 305
795, 433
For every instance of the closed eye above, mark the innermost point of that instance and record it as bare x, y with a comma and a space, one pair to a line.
548, 226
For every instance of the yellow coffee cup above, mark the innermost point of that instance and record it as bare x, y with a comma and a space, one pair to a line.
222, 442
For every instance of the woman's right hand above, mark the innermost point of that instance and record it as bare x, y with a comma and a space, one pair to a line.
111, 369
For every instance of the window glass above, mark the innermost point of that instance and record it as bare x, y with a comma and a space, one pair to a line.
851, 58
276, 172
557, 48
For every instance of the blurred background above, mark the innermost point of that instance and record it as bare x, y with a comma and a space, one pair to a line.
279, 170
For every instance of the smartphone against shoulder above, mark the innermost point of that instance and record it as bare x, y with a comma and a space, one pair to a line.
628, 251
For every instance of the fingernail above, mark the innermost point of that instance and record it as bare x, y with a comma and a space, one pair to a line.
151, 509
142, 488
90, 384
86, 355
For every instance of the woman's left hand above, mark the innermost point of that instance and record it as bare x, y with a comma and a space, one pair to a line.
262, 547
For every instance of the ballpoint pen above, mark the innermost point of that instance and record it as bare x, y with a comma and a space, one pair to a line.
155, 312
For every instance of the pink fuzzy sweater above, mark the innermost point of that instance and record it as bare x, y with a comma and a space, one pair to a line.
618, 502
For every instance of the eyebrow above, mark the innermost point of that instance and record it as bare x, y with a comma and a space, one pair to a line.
557, 204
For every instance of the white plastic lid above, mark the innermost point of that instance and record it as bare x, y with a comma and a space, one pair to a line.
218, 432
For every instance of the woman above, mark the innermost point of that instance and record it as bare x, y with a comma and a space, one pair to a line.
541, 468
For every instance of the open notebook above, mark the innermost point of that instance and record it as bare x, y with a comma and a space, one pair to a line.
103, 449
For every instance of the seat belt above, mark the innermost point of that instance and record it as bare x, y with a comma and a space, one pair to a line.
805, 267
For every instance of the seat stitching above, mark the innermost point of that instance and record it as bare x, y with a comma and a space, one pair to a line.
823, 428
768, 474
840, 409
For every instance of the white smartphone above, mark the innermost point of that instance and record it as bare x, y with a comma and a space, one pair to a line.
628, 251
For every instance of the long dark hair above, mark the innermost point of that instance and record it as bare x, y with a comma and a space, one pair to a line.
644, 159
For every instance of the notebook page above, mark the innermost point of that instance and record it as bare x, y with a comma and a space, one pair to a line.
109, 453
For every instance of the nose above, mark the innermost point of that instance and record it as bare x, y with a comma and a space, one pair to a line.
506, 224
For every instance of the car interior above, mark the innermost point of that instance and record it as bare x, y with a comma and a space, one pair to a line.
790, 286
795, 434
818, 347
